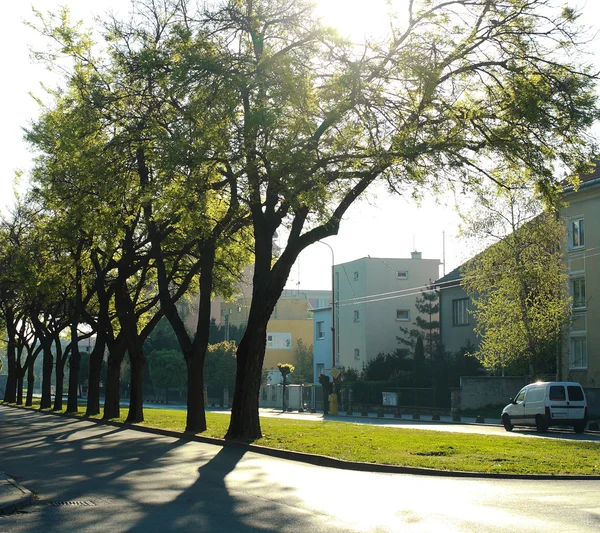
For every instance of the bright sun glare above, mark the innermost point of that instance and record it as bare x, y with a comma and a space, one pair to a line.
356, 18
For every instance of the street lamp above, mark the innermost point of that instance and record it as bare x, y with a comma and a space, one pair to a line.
332, 305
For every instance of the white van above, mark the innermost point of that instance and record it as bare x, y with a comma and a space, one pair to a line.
544, 404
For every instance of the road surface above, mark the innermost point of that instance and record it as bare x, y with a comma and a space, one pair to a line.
90, 477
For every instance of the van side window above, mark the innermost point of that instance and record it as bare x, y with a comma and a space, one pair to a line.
520, 397
535, 394
575, 393
557, 393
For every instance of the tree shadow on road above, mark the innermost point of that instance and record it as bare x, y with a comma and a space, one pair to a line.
221, 500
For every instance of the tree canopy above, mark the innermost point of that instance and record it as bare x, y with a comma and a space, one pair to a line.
186, 137
519, 285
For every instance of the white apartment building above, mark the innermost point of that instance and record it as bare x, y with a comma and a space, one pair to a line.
373, 297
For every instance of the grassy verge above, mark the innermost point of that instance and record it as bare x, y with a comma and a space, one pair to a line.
406, 447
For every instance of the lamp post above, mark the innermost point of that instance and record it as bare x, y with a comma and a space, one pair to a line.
332, 306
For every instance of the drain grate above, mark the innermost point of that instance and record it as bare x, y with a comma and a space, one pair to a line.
73, 503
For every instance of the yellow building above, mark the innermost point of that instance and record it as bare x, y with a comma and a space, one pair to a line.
290, 322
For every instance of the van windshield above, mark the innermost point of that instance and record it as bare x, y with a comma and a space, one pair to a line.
575, 393
557, 393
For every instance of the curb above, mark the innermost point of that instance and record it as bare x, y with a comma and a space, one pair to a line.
25, 497
321, 460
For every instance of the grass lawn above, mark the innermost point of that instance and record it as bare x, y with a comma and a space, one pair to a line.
407, 447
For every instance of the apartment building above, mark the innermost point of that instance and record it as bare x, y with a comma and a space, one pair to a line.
373, 298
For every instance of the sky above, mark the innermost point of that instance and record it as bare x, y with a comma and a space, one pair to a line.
380, 225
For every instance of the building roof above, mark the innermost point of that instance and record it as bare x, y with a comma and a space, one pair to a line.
585, 180
448, 279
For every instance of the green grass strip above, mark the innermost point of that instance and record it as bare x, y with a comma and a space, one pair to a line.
406, 447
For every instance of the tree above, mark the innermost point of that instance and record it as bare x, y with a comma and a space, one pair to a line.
389, 367
249, 111
167, 369
427, 326
419, 363
220, 365
438, 104
518, 286
304, 363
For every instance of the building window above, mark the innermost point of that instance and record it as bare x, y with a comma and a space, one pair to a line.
578, 353
460, 315
279, 341
402, 314
577, 233
321, 303
578, 289
320, 330
356, 315
239, 308
320, 369
356, 353
356, 276
401, 274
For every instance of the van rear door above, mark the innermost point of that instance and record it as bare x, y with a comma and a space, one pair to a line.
576, 402
557, 400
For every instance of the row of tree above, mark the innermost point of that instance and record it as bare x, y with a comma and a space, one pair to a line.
185, 138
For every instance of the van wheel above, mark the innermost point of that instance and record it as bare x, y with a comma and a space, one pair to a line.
579, 427
506, 422
540, 424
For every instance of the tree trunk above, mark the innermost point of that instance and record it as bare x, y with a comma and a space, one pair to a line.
196, 417
60, 379
20, 376
136, 387
95, 366
245, 422
10, 393
60, 376
267, 287
75, 359
113, 381
48, 363
74, 365
30, 384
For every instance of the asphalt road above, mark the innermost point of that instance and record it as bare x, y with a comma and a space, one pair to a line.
90, 477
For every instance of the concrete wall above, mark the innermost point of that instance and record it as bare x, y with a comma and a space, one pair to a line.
477, 392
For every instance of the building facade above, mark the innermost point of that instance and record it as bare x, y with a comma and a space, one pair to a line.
581, 353
291, 321
581, 361
374, 297
323, 356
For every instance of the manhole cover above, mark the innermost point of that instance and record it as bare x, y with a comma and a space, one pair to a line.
73, 503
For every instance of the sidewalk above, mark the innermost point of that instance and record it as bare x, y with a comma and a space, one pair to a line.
12, 495
372, 418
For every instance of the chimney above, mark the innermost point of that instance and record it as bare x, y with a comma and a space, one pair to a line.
416, 255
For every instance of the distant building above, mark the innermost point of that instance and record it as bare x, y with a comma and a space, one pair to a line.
456, 323
291, 320
373, 298
323, 358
